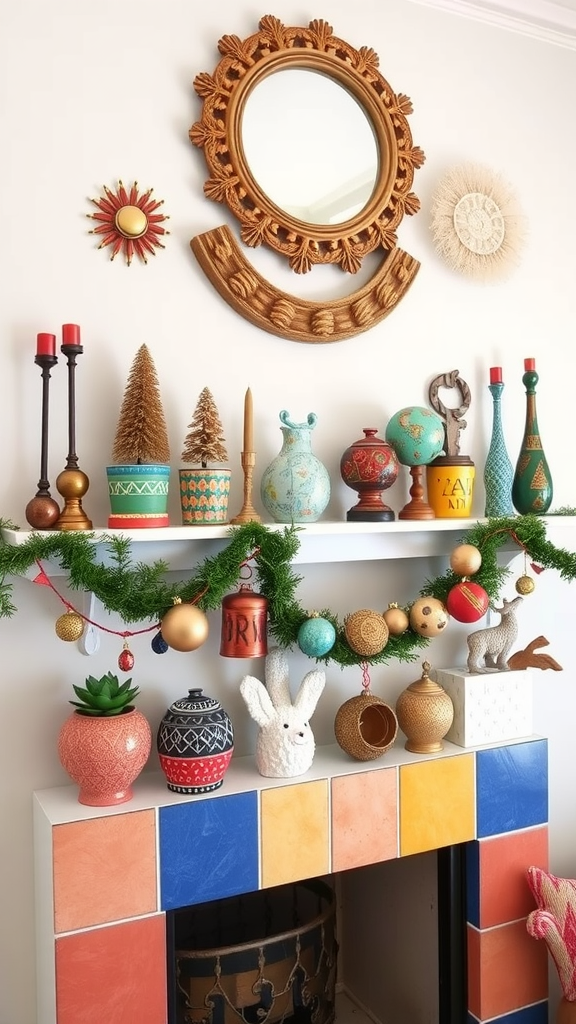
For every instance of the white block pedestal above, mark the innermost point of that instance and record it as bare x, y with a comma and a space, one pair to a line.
488, 707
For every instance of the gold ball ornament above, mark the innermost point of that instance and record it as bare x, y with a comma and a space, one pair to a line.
465, 560
428, 616
396, 619
525, 585
184, 627
366, 632
69, 626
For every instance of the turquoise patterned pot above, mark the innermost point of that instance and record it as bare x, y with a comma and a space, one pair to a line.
295, 488
138, 496
204, 496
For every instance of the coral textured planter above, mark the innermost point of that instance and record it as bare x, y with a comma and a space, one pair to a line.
104, 755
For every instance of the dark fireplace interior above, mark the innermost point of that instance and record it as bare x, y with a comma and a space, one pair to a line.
391, 935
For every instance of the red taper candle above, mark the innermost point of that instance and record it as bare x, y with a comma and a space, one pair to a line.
496, 375
45, 344
529, 364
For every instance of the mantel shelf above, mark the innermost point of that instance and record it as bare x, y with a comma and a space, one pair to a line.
181, 547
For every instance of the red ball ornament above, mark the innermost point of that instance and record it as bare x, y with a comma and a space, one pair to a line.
467, 601
126, 659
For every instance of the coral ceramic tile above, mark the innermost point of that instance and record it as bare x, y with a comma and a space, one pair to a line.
428, 819
295, 835
86, 891
512, 787
113, 975
507, 971
497, 890
364, 818
208, 849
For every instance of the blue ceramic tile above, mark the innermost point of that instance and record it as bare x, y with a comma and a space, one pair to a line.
535, 1014
511, 787
208, 849
473, 883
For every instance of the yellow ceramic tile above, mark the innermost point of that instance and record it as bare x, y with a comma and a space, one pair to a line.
364, 818
437, 806
104, 870
294, 832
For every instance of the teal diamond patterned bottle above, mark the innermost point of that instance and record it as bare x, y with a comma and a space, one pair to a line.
498, 471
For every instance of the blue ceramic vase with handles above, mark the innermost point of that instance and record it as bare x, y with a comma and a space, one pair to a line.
295, 488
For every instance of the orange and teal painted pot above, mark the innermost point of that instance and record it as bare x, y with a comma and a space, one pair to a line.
204, 496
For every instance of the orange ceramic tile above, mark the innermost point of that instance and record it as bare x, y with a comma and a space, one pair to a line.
113, 975
294, 832
428, 818
104, 870
364, 819
507, 970
504, 892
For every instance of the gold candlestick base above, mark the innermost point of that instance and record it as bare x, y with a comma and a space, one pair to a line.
72, 484
247, 513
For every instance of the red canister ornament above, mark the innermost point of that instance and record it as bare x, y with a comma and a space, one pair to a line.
244, 624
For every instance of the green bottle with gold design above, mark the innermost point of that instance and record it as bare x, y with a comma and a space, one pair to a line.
532, 483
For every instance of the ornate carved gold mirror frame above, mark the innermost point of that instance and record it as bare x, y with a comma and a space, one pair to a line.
244, 65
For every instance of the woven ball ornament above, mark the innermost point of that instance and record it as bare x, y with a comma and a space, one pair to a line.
396, 619
428, 616
69, 626
465, 560
467, 601
366, 632
184, 627
316, 636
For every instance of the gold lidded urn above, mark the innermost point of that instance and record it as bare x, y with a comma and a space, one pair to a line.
425, 713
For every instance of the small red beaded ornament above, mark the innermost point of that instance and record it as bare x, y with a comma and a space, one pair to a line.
125, 658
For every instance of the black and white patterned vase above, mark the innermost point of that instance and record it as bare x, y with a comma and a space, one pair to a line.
195, 742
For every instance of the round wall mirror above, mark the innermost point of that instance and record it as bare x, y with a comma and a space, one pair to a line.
329, 171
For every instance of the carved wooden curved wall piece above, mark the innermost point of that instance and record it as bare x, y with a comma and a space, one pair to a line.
245, 64
275, 311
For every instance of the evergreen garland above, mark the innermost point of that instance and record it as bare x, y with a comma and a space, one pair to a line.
139, 592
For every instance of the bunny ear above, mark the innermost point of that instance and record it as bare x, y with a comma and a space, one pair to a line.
277, 678
257, 700
309, 692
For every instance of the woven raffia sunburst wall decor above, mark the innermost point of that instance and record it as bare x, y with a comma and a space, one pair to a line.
477, 223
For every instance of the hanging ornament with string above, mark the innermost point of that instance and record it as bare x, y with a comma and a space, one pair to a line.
365, 726
244, 622
184, 626
525, 584
126, 658
69, 626
158, 643
467, 601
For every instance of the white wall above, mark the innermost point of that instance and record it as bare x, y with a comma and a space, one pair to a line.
92, 92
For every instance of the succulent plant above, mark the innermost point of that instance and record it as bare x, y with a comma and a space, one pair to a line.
105, 696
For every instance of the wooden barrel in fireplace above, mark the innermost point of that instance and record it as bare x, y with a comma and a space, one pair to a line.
267, 957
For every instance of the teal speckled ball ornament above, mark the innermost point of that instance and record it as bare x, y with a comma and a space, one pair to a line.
316, 636
416, 435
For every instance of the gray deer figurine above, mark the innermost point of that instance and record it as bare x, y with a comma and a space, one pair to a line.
489, 648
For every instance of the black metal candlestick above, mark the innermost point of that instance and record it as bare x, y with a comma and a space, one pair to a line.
42, 511
72, 483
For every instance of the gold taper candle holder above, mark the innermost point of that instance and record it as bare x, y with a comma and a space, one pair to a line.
72, 483
247, 513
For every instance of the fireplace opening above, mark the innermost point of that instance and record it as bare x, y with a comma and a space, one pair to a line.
386, 941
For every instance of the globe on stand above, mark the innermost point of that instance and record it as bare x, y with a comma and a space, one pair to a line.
417, 436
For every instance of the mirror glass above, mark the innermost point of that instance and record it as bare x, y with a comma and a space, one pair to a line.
310, 146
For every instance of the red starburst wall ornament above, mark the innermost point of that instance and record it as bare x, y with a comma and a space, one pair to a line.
128, 222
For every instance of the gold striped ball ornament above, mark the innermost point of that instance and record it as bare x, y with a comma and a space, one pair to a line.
69, 626
366, 632
467, 601
184, 627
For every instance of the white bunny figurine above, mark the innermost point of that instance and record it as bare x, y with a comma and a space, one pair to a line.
285, 744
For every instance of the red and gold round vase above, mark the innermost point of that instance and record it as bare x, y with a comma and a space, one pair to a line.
195, 743
369, 466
